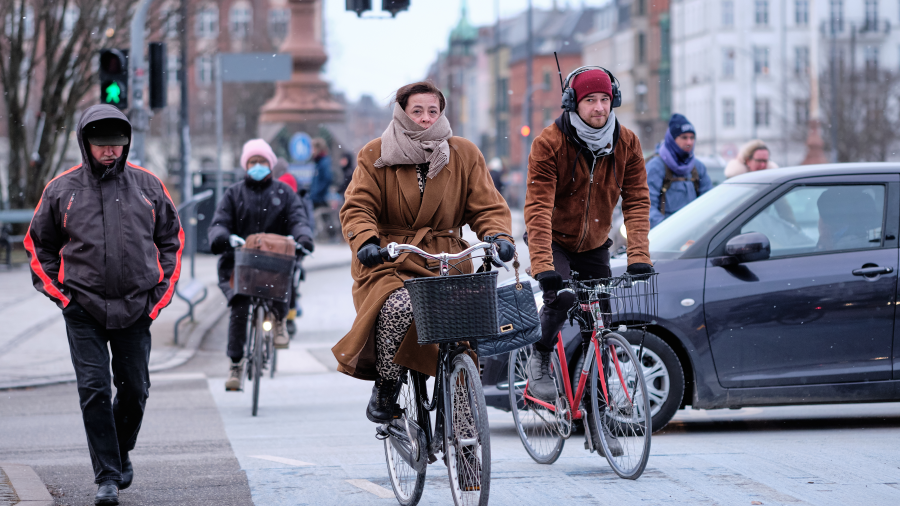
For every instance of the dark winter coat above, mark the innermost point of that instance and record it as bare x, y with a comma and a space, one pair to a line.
251, 207
111, 241
318, 191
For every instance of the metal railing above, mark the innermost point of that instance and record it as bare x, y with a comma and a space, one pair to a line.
187, 290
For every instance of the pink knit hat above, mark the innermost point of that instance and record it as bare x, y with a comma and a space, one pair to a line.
255, 147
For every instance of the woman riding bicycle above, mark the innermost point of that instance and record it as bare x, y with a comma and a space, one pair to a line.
258, 204
418, 185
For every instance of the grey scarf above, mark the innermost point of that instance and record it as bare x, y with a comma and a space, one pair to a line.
406, 142
600, 141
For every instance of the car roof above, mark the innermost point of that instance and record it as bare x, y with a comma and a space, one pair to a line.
780, 175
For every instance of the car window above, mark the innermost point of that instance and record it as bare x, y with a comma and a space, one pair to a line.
811, 219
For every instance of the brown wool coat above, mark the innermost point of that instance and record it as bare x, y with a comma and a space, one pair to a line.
386, 203
575, 213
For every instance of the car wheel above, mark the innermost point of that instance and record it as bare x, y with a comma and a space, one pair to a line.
663, 373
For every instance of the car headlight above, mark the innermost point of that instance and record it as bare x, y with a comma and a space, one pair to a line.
623, 231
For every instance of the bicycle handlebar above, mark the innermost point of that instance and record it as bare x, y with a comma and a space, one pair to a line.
242, 242
394, 250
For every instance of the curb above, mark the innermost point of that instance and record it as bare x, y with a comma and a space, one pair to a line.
27, 485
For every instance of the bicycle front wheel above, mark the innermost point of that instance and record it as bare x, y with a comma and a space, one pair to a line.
467, 439
621, 408
258, 343
406, 481
537, 425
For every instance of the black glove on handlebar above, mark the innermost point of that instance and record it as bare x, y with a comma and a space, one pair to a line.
551, 281
639, 268
370, 255
306, 242
505, 250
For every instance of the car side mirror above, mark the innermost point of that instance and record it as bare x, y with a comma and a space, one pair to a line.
749, 247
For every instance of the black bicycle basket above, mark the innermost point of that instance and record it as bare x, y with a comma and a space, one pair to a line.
454, 308
630, 300
263, 274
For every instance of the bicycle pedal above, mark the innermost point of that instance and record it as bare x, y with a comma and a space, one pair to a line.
381, 433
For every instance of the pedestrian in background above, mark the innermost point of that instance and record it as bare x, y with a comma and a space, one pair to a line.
348, 165
280, 171
674, 175
105, 245
496, 168
322, 178
752, 157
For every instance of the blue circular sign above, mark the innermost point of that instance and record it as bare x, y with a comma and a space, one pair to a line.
300, 147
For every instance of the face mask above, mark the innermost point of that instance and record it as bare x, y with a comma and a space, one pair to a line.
258, 172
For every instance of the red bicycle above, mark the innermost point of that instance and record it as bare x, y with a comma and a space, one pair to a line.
616, 407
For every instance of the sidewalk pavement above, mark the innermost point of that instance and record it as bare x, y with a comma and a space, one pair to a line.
34, 349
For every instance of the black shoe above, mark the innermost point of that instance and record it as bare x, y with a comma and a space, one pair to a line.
383, 404
291, 328
127, 473
108, 493
614, 445
540, 384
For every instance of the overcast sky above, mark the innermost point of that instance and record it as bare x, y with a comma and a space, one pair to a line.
377, 56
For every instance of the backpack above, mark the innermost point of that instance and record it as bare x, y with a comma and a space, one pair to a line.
669, 178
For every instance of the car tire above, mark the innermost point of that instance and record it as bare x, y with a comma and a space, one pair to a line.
668, 380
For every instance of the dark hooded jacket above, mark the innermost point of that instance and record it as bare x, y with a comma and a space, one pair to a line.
255, 207
107, 238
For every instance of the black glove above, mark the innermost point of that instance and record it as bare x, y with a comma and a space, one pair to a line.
638, 269
306, 242
505, 250
370, 255
551, 281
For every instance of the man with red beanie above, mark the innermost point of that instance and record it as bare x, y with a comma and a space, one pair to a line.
578, 168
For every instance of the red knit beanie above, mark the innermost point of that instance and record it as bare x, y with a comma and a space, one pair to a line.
591, 81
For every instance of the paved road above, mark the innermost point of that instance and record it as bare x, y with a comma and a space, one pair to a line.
311, 443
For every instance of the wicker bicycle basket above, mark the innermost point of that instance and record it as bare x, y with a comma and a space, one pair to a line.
454, 308
263, 274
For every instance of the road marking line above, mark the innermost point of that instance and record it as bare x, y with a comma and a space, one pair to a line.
282, 460
368, 486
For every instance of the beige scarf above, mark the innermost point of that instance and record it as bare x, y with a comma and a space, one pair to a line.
405, 142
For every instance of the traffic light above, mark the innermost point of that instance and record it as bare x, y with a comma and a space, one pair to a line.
359, 6
114, 78
525, 131
158, 70
394, 6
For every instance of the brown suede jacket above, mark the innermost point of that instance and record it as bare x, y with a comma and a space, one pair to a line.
569, 204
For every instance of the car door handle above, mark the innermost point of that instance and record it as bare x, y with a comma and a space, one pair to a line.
872, 271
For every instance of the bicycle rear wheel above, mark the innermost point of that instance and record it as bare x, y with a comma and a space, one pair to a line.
467, 439
538, 426
258, 343
406, 481
623, 423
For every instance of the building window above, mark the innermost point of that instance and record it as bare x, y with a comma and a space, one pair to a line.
642, 47
169, 19
801, 112
728, 13
641, 93
801, 61
871, 54
503, 94
503, 132
761, 61
761, 112
801, 12
279, 20
728, 63
762, 12
205, 70
871, 15
240, 20
547, 80
173, 68
208, 22
836, 15
728, 112
642, 7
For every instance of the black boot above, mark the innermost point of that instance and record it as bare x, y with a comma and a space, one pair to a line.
108, 493
127, 473
383, 404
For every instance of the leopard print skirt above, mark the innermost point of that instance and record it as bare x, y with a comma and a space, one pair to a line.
393, 322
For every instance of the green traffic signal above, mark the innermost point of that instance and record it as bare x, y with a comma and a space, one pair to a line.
112, 93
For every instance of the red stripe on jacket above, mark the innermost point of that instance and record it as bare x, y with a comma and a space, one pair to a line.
167, 296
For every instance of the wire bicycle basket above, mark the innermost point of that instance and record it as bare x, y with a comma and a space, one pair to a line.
263, 274
630, 300
454, 308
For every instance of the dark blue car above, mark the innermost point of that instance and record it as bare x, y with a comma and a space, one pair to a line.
776, 287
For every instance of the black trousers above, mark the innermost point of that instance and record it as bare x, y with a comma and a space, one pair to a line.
111, 427
591, 264
237, 325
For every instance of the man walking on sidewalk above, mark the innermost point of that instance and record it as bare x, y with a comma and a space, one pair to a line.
105, 245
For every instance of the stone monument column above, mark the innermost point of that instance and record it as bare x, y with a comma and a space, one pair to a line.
304, 101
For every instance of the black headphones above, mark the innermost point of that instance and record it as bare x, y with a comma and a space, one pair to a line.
570, 104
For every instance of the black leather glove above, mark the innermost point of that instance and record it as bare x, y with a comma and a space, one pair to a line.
505, 250
306, 242
370, 254
638, 269
550, 281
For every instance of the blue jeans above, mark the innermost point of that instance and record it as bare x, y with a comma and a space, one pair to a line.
111, 427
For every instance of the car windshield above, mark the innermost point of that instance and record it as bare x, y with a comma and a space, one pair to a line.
678, 232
